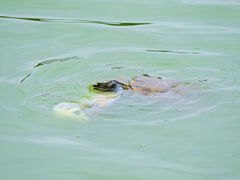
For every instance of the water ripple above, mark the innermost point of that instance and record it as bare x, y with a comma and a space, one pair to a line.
169, 51
49, 62
55, 60
76, 21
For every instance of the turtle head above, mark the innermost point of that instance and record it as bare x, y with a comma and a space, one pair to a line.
110, 86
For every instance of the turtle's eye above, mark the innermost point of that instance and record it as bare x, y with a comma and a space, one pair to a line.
112, 84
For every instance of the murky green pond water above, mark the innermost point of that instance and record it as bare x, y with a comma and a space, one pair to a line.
50, 51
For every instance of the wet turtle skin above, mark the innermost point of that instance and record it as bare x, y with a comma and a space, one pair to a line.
144, 84
148, 85
110, 86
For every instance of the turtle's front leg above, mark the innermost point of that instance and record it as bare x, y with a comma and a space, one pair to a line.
72, 110
86, 107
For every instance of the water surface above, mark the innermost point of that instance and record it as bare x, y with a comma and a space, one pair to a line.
52, 50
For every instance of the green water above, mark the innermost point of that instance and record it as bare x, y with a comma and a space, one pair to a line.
50, 51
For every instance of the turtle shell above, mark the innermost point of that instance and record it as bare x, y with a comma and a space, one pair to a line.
147, 84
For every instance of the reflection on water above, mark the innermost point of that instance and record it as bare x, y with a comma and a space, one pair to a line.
23, 79
169, 51
56, 60
76, 21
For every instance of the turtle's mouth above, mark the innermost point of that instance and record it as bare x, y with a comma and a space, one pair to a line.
110, 86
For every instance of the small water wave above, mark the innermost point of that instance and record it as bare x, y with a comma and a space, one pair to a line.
50, 61
53, 140
46, 96
56, 60
196, 113
67, 142
76, 21
196, 51
170, 51
23, 79
183, 52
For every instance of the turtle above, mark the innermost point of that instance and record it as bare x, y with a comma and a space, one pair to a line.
106, 92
